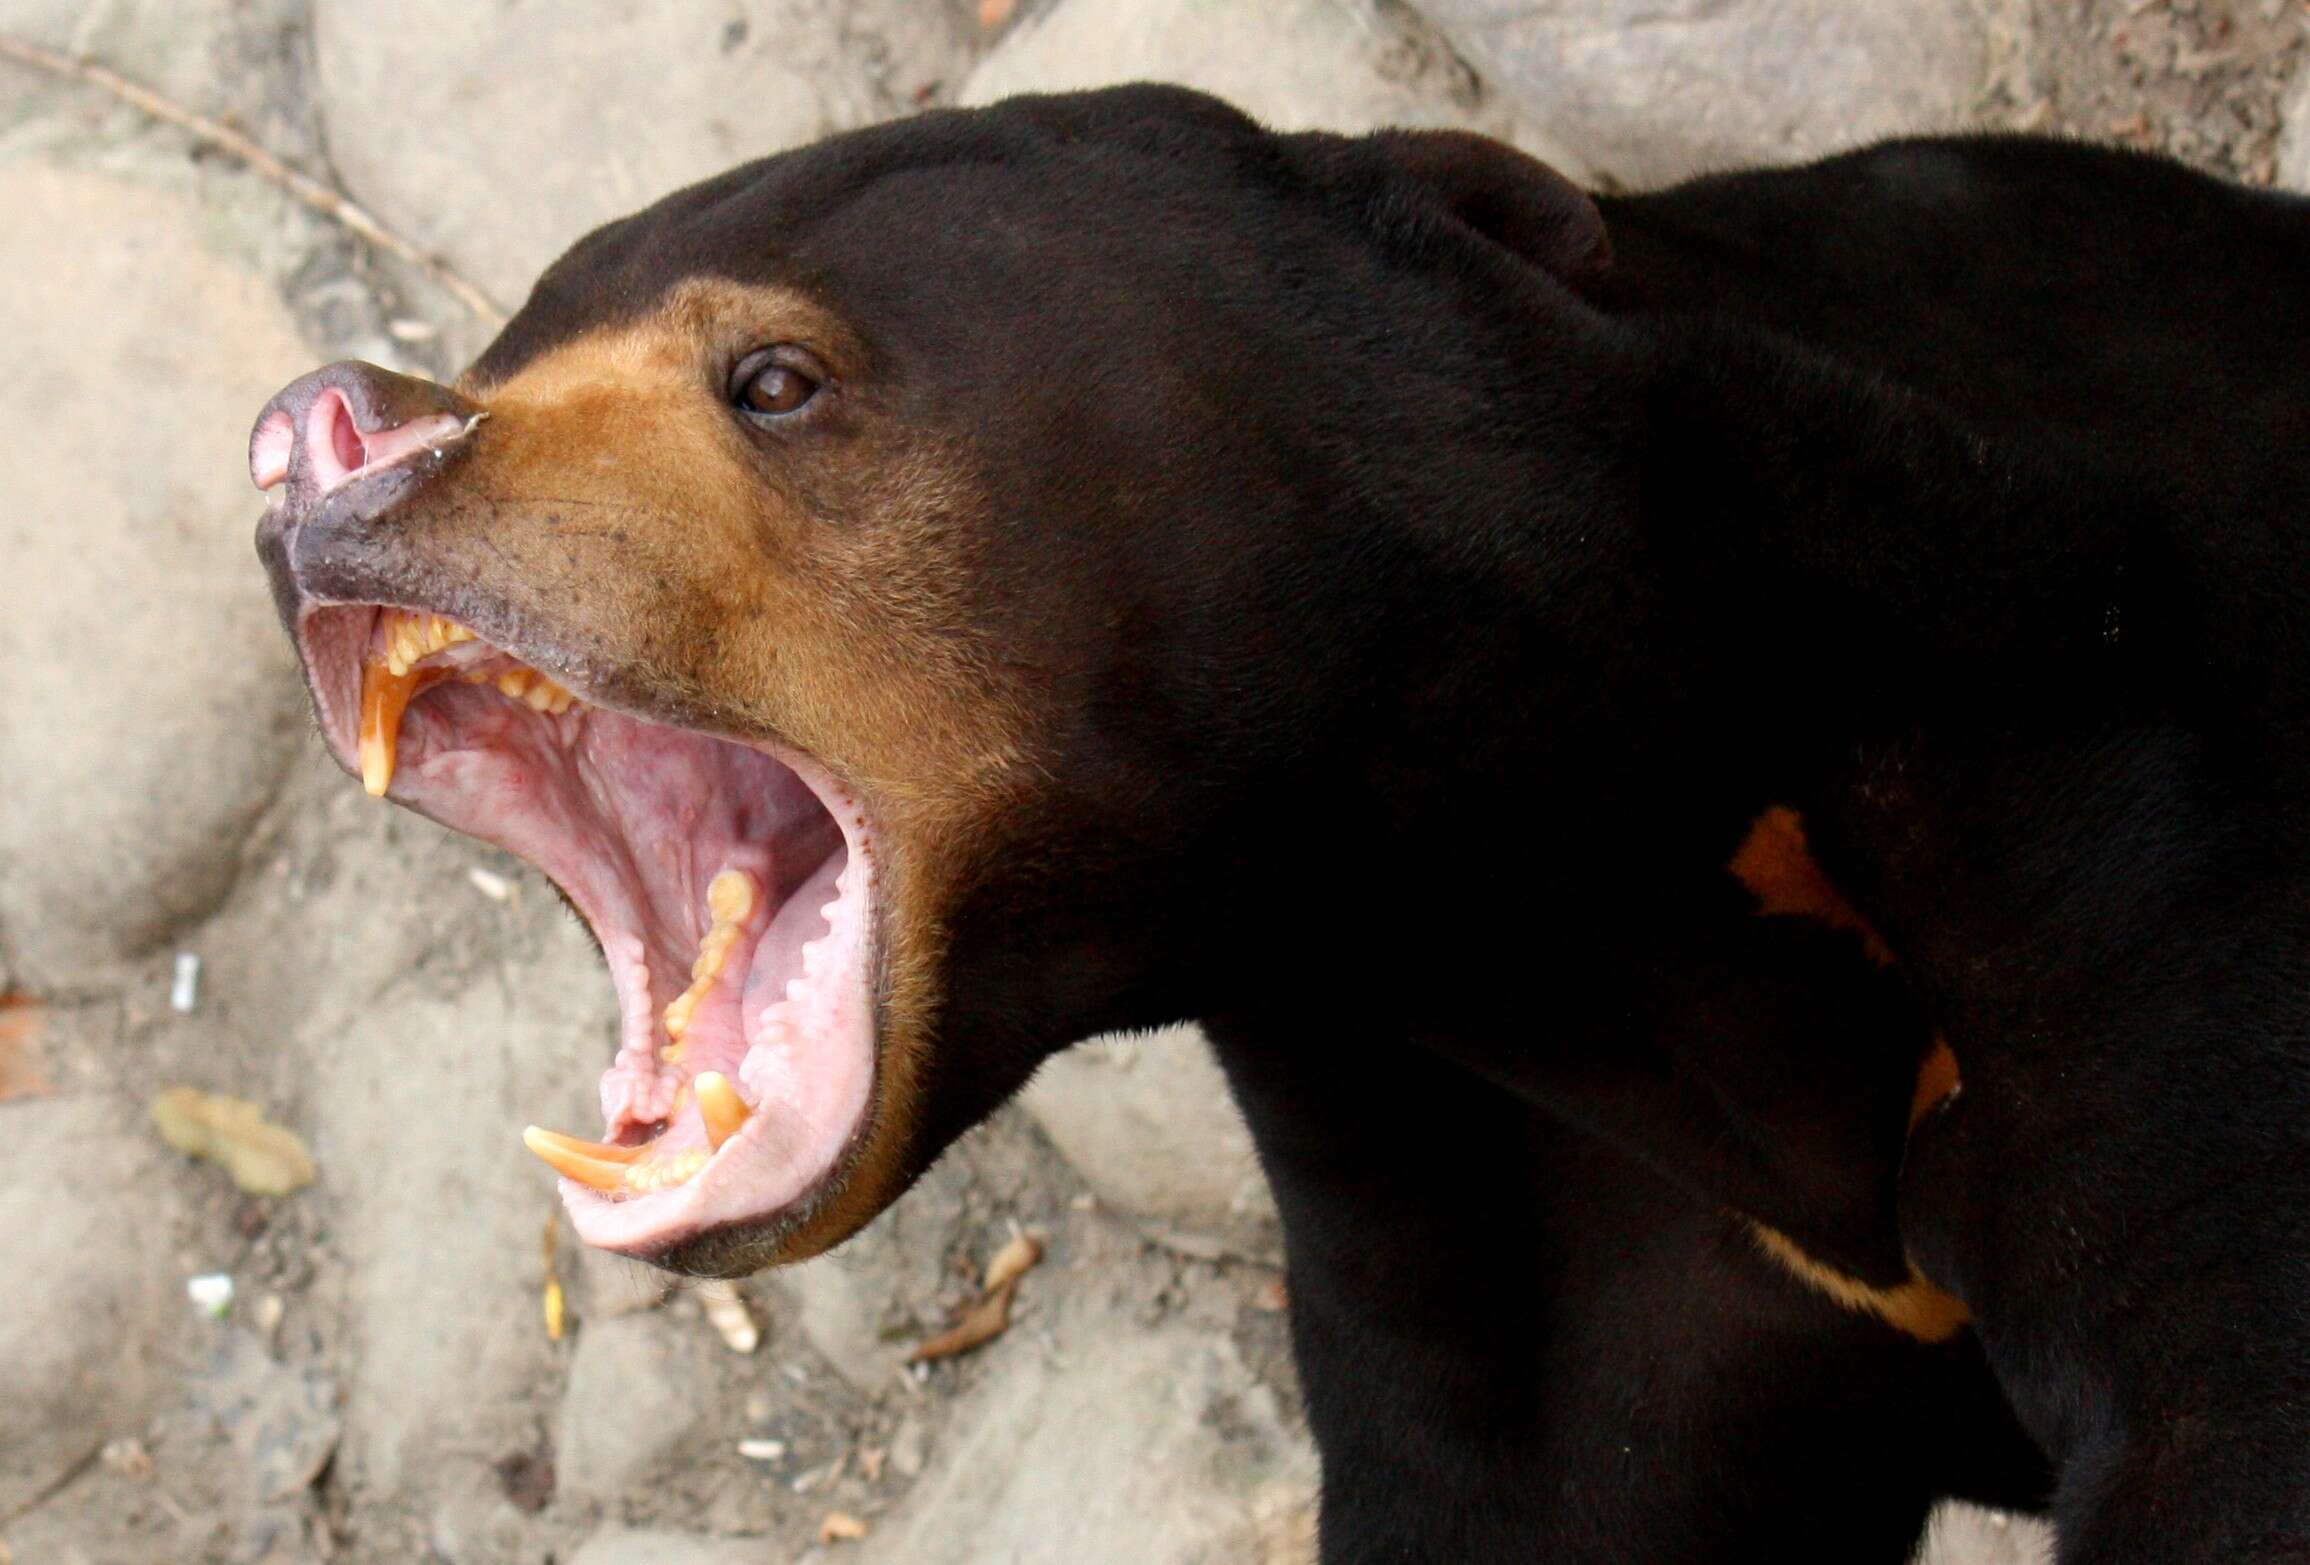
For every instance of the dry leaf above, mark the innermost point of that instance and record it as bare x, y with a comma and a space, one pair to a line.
556, 1302
841, 1527
21, 1019
726, 1307
1013, 1261
987, 1320
262, 1158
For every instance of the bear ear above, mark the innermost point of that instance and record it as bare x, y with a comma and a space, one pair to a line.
1509, 197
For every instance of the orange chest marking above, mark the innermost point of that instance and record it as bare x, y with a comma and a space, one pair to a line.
1779, 869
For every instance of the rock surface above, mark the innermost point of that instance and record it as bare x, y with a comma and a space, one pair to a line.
1646, 91
655, 1546
1345, 65
1148, 1122
2292, 167
630, 1406
79, 1317
147, 701
498, 134
1156, 1447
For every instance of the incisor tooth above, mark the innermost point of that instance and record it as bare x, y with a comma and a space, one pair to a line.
598, 1173
720, 1107
657, 1176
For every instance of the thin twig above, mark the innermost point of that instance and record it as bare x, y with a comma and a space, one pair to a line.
55, 1486
317, 194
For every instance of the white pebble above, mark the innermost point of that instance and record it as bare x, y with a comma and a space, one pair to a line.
184, 989
211, 1293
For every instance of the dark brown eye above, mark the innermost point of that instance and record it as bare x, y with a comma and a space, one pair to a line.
770, 389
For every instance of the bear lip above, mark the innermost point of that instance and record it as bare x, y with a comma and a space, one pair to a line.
637, 821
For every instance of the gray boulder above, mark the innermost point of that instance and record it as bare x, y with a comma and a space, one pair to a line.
497, 134
1648, 91
147, 698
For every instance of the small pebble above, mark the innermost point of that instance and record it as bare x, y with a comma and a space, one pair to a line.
184, 989
126, 1457
211, 1293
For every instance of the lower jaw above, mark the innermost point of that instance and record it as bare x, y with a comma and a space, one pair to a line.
739, 1103
740, 1088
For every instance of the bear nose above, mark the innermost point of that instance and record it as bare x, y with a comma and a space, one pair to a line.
350, 420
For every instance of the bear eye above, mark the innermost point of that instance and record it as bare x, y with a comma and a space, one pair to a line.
769, 387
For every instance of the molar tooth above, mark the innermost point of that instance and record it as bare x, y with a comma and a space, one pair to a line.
539, 697
713, 954
677, 1012
730, 896
514, 682
720, 1107
593, 1172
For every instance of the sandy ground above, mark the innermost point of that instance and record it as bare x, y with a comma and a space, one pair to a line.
381, 1385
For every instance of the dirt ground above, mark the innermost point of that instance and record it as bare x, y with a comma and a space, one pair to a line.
190, 896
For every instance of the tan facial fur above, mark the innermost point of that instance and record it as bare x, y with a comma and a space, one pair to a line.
642, 544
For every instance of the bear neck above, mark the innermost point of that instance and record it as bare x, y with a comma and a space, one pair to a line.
1772, 560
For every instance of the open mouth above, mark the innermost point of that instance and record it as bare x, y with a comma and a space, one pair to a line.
732, 891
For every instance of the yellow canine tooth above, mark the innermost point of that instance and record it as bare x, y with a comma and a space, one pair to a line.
604, 1151
385, 695
598, 1173
720, 1107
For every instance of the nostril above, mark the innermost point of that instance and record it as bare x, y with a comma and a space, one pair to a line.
333, 444
351, 454
354, 421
